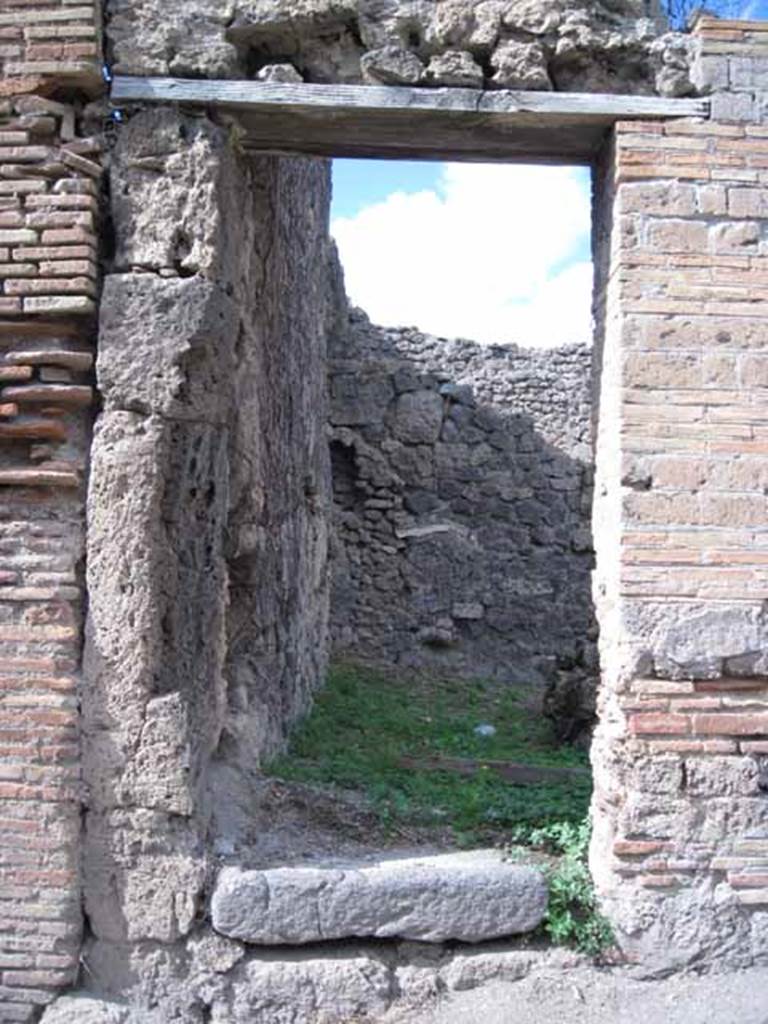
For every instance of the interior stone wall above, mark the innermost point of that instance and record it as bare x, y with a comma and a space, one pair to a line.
463, 490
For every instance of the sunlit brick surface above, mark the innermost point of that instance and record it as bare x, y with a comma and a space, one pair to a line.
47, 45
681, 518
49, 193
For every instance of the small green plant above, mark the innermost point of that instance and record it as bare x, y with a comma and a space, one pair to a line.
236, 137
573, 917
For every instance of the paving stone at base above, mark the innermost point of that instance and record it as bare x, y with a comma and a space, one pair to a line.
469, 896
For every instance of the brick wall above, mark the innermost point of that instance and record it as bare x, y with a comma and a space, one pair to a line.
680, 520
49, 187
47, 46
40, 544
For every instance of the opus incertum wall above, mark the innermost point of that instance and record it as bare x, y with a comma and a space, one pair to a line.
206, 574
462, 479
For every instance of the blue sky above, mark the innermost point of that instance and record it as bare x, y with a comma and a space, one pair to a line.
496, 253
358, 183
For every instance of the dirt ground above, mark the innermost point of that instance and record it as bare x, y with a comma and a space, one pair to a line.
586, 995
288, 822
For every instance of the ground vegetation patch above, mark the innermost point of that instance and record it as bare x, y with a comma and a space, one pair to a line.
467, 759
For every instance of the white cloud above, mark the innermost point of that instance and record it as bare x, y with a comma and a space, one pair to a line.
487, 256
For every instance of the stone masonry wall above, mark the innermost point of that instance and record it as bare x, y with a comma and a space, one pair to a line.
462, 487
572, 45
49, 188
208, 499
681, 844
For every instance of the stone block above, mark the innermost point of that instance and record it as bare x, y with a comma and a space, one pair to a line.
320, 987
720, 369
662, 370
738, 106
746, 74
709, 73
391, 65
660, 199
417, 417
709, 634
146, 874
721, 776
678, 236
747, 202
753, 370
152, 329
520, 65
81, 1008
711, 200
455, 68
735, 238
359, 399
468, 896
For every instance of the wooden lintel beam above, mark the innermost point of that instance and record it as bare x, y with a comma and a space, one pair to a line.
410, 122
247, 95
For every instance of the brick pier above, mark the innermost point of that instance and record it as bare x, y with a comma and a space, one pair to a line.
49, 188
681, 517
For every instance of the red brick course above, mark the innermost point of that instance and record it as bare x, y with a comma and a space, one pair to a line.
47, 44
56, 196
39, 755
48, 244
686, 287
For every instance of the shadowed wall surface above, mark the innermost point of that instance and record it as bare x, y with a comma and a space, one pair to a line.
463, 491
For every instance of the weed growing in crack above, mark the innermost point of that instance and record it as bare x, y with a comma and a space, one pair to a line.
573, 917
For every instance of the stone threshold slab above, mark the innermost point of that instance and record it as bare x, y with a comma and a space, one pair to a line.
471, 896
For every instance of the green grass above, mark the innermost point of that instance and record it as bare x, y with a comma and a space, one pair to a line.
365, 721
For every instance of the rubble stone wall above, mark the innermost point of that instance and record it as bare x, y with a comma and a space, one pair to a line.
568, 45
463, 492
681, 845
